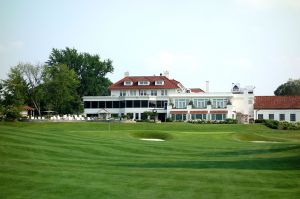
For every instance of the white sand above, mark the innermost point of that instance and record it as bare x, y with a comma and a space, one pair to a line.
152, 139
264, 141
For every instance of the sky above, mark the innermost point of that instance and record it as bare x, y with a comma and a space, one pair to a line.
251, 42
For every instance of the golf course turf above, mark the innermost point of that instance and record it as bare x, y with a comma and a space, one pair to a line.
102, 160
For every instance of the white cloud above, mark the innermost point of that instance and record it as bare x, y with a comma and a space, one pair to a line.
266, 4
173, 61
8, 47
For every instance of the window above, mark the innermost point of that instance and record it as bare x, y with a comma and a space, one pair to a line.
152, 104
122, 93
180, 117
128, 83
136, 103
218, 116
108, 104
101, 104
94, 104
129, 103
200, 103
132, 92
153, 92
87, 104
260, 116
159, 82
292, 117
144, 103
271, 116
198, 116
164, 92
143, 92
219, 103
122, 104
143, 83
181, 103
281, 117
116, 104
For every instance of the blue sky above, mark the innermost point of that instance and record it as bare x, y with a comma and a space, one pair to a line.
251, 42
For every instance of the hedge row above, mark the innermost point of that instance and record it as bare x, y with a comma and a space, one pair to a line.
282, 125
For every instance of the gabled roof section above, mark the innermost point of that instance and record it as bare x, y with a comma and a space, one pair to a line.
277, 102
196, 90
168, 83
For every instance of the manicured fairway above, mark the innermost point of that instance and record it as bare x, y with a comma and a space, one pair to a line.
86, 160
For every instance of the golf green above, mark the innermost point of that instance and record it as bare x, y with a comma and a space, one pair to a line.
109, 160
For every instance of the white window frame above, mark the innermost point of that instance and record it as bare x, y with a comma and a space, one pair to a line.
164, 92
132, 92
128, 83
122, 92
143, 83
143, 92
159, 82
200, 103
153, 92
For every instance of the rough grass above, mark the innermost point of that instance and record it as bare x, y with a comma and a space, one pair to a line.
86, 160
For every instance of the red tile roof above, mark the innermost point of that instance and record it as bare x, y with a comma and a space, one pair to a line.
198, 112
218, 111
277, 102
27, 108
168, 83
196, 90
178, 112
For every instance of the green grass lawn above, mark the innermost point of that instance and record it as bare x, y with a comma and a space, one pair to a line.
86, 160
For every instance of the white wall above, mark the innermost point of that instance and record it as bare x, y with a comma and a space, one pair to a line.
276, 113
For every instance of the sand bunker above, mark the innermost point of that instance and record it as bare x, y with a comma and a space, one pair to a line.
152, 139
257, 141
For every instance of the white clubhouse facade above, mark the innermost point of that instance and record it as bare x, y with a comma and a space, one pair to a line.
134, 95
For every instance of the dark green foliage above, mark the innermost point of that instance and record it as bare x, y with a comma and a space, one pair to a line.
11, 113
60, 84
282, 125
290, 88
273, 124
169, 119
90, 70
259, 121
230, 121
15, 88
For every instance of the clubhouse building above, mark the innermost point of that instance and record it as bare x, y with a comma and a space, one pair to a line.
282, 108
168, 98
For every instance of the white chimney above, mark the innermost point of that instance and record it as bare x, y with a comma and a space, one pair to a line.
126, 74
166, 73
207, 86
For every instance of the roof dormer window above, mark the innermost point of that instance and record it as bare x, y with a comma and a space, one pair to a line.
159, 82
128, 83
143, 83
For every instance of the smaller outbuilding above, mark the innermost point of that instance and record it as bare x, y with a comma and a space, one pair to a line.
281, 108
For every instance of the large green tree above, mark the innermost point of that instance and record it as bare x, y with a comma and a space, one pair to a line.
14, 88
32, 75
90, 70
291, 87
60, 84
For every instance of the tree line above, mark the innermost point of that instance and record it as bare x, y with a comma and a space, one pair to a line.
58, 85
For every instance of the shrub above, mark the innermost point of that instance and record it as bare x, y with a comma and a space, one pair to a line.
169, 119
259, 121
273, 124
11, 113
231, 121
